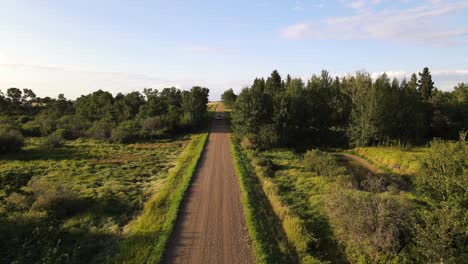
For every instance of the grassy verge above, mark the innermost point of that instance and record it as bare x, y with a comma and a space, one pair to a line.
147, 235
396, 160
269, 242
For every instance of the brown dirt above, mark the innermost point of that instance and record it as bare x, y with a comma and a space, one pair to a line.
211, 226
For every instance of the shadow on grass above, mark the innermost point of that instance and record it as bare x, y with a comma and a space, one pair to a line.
56, 154
367, 180
269, 227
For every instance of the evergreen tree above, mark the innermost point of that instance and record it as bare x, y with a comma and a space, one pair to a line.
413, 83
425, 84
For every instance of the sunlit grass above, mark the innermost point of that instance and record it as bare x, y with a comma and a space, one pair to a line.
398, 160
111, 181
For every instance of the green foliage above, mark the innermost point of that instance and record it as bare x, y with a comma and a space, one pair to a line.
425, 84
31, 129
322, 163
443, 183
100, 130
126, 132
54, 140
353, 110
11, 140
73, 125
444, 173
363, 128
373, 227
229, 98
194, 105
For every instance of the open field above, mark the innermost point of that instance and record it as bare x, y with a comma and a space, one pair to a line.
72, 204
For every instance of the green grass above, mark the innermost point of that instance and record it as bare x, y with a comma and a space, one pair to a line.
269, 241
395, 159
102, 186
147, 236
300, 195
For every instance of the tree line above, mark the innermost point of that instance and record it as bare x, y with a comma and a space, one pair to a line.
100, 115
354, 110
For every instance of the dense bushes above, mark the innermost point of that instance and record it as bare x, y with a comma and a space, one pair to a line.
54, 140
322, 163
126, 132
373, 227
11, 140
443, 185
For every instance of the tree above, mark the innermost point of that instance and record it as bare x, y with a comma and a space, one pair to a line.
425, 84
273, 84
194, 105
413, 83
95, 106
15, 95
363, 128
229, 98
253, 110
461, 92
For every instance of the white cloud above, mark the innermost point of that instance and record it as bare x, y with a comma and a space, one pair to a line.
298, 30
427, 23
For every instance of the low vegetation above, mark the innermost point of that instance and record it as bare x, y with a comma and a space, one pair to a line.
400, 160
71, 203
341, 217
146, 237
270, 244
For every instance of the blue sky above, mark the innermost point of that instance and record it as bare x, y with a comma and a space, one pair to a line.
76, 47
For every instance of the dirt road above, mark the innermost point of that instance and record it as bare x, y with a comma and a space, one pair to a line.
211, 226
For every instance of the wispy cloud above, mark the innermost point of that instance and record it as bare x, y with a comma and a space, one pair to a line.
51, 80
202, 49
426, 23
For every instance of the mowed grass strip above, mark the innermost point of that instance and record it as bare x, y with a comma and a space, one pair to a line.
148, 235
269, 242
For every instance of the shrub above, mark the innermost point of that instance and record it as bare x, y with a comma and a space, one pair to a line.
73, 125
47, 123
247, 143
322, 163
31, 129
100, 130
125, 132
151, 125
268, 136
442, 183
263, 164
23, 119
53, 140
58, 199
373, 227
11, 140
